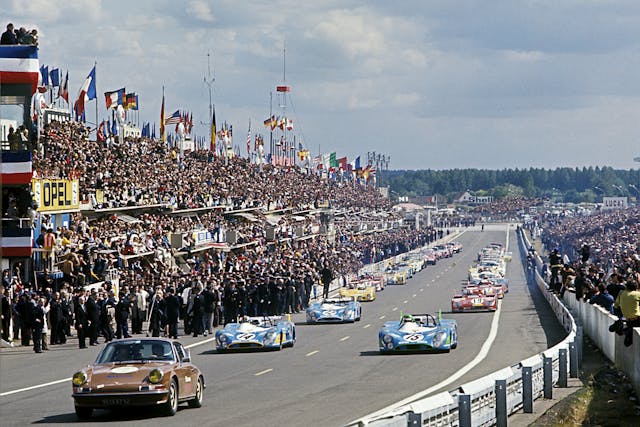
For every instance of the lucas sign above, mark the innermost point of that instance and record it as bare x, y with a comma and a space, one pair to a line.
614, 203
56, 194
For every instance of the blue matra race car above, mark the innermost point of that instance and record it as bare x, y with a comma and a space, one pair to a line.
257, 333
334, 310
418, 332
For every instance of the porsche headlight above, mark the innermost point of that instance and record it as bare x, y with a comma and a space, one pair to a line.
387, 339
79, 378
155, 376
439, 339
222, 339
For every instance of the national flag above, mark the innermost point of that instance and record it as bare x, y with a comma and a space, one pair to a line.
282, 122
130, 101
289, 124
55, 77
283, 88
267, 122
63, 90
342, 163
153, 133
16, 168
212, 146
333, 161
115, 98
114, 128
87, 92
174, 119
44, 75
356, 163
16, 242
19, 65
249, 141
162, 130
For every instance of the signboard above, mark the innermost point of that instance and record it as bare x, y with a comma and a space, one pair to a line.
56, 194
614, 203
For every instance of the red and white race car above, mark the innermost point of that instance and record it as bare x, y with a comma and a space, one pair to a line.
475, 298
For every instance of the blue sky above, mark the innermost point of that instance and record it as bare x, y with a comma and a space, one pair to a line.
433, 84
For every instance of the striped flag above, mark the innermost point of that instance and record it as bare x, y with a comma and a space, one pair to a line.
19, 65
174, 119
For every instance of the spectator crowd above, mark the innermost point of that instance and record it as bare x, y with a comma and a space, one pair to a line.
598, 257
158, 284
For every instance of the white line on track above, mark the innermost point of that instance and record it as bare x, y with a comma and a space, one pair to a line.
394, 309
382, 317
257, 374
345, 338
413, 296
37, 386
421, 289
311, 353
366, 326
405, 301
482, 354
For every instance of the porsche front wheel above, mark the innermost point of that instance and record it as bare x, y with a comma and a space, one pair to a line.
171, 406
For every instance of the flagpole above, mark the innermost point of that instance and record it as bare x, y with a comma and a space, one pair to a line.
95, 66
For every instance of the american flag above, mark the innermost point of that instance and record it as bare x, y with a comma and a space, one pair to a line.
173, 119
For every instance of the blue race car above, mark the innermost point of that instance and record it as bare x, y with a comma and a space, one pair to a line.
334, 310
257, 333
418, 332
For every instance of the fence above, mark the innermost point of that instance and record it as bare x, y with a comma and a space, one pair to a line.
491, 399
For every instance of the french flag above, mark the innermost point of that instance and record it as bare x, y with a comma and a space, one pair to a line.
16, 168
16, 242
19, 65
87, 92
115, 98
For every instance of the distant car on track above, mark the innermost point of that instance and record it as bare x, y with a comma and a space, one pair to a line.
256, 333
418, 332
361, 290
475, 298
138, 372
334, 310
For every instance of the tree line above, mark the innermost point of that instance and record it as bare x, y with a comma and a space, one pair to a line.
564, 184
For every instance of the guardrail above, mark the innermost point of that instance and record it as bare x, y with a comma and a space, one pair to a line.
596, 321
491, 399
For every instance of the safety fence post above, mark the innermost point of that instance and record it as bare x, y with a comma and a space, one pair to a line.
464, 410
547, 375
527, 390
562, 362
573, 360
501, 403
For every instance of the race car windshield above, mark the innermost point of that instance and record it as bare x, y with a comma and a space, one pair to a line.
136, 352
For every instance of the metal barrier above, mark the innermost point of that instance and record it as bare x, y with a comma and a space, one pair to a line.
491, 399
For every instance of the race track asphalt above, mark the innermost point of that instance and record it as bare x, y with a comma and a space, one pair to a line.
333, 375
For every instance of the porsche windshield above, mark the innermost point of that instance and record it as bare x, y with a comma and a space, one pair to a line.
138, 351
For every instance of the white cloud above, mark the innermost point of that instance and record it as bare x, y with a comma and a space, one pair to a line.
199, 9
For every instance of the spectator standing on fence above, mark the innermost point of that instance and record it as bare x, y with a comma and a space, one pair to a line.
629, 303
602, 298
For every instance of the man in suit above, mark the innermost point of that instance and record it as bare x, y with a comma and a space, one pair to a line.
37, 325
93, 316
82, 322
172, 307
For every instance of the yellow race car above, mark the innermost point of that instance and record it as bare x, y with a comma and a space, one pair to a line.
363, 291
396, 277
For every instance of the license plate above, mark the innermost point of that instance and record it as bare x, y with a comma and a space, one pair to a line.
119, 401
